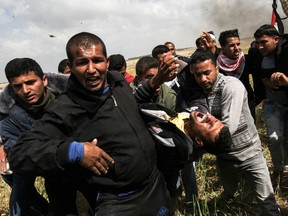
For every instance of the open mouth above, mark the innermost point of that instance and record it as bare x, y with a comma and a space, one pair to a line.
201, 117
93, 80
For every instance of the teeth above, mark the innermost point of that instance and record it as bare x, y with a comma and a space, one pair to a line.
92, 78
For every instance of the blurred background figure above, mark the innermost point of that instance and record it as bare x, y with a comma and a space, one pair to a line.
117, 62
207, 41
63, 67
171, 47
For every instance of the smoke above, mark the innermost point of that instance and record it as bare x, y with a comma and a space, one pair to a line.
245, 15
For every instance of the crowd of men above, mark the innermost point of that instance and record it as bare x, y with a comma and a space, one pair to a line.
83, 129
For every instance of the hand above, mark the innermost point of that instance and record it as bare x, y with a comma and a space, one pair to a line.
270, 86
167, 70
95, 159
208, 41
279, 79
3, 160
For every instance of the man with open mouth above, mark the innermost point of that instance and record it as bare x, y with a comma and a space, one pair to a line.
242, 155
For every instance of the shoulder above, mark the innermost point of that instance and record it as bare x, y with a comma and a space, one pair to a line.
183, 58
166, 88
61, 103
230, 83
7, 99
114, 77
17, 116
57, 83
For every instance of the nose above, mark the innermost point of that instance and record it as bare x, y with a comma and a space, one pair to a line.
259, 46
25, 89
203, 79
237, 47
90, 67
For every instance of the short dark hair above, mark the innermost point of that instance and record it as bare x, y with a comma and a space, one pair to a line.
266, 29
227, 34
222, 143
145, 63
116, 62
198, 41
62, 65
201, 56
83, 39
169, 42
160, 49
19, 66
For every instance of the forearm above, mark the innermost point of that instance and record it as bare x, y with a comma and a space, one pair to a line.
144, 92
232, 100
41, 151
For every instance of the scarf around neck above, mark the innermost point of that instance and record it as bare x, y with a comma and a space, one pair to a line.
231, 67
38, 108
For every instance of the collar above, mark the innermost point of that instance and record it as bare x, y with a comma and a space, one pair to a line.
91, 101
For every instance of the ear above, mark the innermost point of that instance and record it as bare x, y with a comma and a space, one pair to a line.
198, 141
191, 69
276, 38
45, 80
69, 65
217, 69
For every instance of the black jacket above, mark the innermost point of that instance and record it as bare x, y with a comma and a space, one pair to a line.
113, 118
281, 65
17, 119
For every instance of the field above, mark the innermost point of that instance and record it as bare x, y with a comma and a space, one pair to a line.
210, 200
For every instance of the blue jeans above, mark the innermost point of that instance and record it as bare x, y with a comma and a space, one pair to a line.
256, 173
275, 117
24, 198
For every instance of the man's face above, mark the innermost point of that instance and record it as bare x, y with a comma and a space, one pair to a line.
151, 72
205, 73
203, 127
201, 45
29, 87
232, 48
267, 44
123, 70
148, 74
66, 70
171, 48
89, 66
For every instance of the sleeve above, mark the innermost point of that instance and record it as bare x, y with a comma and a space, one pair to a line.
43, 150
232, 100
9, 134
144, 92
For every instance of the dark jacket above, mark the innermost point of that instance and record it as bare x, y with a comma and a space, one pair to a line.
113, 118
281, 65
17, 119
191, 94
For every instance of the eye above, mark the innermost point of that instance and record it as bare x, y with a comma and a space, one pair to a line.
81, 62
148, 76
17, 86
97, 60
30, 82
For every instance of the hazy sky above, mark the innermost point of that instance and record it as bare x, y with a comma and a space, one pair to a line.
129, 27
